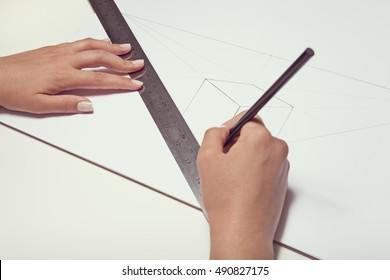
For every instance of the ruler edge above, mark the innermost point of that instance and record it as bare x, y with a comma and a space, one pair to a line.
184, 168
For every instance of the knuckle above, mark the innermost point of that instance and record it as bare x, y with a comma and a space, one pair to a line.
58, 83
100, 55
264, 134
89, 41
282, 148
210, 132
258, 134
205, 155
258, 119
125, 64
85, 43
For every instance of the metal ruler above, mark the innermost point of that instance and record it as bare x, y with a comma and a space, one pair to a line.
166, 115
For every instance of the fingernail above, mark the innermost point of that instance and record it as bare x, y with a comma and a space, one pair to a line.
138, 62
125, 46
84, 106
106, 40
222, 126
137, 83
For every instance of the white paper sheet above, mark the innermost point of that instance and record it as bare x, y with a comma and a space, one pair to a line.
215, 59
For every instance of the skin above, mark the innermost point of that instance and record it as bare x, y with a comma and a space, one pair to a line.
243, 186
31, 81
243, 189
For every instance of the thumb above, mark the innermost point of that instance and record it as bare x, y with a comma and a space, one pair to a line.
44, 104
214, 138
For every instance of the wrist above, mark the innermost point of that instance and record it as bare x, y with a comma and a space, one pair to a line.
239, 240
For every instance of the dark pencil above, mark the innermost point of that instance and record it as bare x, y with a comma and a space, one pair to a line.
260, 103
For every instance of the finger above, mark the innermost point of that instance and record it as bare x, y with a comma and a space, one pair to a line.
45, 104
101, 80
255, 124
257, 119
96, 58
281, 147
93, 44
230, 123
214, 139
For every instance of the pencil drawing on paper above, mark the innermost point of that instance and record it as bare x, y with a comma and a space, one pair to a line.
211, 85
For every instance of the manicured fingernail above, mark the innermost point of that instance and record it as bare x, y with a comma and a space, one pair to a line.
125, 46
137, 83
138, 62
84, 106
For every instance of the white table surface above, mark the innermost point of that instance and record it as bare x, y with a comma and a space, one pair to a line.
54, 205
